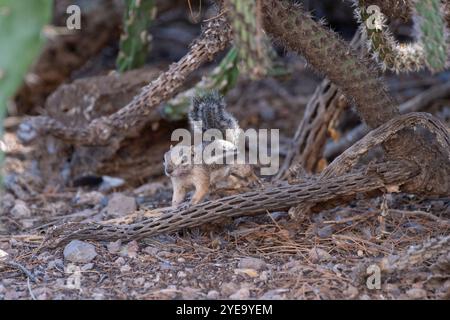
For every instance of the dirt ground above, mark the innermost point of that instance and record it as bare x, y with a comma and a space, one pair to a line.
324, 255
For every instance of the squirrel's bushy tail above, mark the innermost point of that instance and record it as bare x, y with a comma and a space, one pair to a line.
209, 110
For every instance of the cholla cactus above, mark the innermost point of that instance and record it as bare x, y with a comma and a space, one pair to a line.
433, 32
245, 17
430, 49
134, 42
222, 78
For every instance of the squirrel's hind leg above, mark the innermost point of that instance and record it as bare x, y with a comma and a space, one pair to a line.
179, 192
202, 184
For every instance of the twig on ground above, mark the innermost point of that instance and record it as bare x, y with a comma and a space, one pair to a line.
30, 290
21, 268
421, 213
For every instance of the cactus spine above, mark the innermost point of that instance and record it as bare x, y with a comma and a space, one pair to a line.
429, 50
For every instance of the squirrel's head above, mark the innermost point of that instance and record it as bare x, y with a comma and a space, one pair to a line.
179, 160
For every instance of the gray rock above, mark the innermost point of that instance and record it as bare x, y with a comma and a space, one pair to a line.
20, 210
79, 252
120, 205
416, 293
325, 232
87, 267
3, 255
111, 183
7, 201
241, 294
114, 247
56, 264
229, 288
125, 268
276, 294
151, 250
252, 263
316, 255
89, 198
213, 295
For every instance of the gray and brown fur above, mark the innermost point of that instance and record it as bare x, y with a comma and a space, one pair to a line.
209, 110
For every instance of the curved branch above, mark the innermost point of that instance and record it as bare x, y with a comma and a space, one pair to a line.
349, 158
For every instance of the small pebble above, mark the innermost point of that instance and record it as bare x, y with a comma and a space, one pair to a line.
125, 268
20, 210
416, 293
252, 263
317, 255
213, 295
120, 205
325, 232
79, 252
241, 294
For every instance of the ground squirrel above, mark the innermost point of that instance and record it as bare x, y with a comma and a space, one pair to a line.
207, 112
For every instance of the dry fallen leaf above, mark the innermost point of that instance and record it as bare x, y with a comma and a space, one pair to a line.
3, 255
249, 272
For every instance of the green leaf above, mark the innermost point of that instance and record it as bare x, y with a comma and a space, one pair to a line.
21, 23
